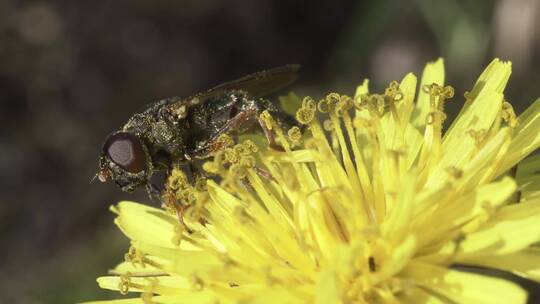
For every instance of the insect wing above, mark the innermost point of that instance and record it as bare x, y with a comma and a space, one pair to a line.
264, 82
257, 84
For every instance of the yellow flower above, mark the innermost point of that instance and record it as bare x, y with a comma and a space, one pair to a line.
373, 205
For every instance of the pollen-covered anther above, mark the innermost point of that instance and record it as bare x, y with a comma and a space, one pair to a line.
295, 135
186, 194
200, 184
433, 89
448, 92
360, 101
393, 92
323, 106
333, 99
305, 115
309, 103
248, 147
508, 114
177, 179
268, 120
376, 105
247, 161
125, 283
224, 141
134, 257
251, 146
344, 104
231, 156
241, 150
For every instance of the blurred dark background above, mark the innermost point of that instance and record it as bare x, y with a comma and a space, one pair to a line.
73, 71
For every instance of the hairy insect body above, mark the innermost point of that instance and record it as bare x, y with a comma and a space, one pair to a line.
160, 130
178, 130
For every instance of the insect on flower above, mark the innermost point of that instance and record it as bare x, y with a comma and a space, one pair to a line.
176, 131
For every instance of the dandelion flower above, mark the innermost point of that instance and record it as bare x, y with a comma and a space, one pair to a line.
374, 203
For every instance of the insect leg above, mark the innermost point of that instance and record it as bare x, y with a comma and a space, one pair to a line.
269, 136
214, 144
153, 192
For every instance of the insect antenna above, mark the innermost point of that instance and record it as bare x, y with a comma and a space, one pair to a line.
94, 178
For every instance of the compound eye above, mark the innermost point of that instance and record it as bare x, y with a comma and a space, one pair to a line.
125, 150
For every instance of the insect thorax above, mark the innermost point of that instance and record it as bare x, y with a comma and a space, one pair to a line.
162, 130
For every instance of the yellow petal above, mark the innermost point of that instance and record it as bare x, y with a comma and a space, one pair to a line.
416, 295
433, 73
161, 300
145, 223
121, 301
272, 296
396, 225
463, 287
290, 103
361, 90
184, 262
165, 284
405, 107
328, 289
524, 263
478, 114
527, 138
452, 214
512, 228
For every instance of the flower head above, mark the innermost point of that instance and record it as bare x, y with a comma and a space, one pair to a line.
374, 203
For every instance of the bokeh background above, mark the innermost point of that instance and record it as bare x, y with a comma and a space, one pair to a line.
73, 71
